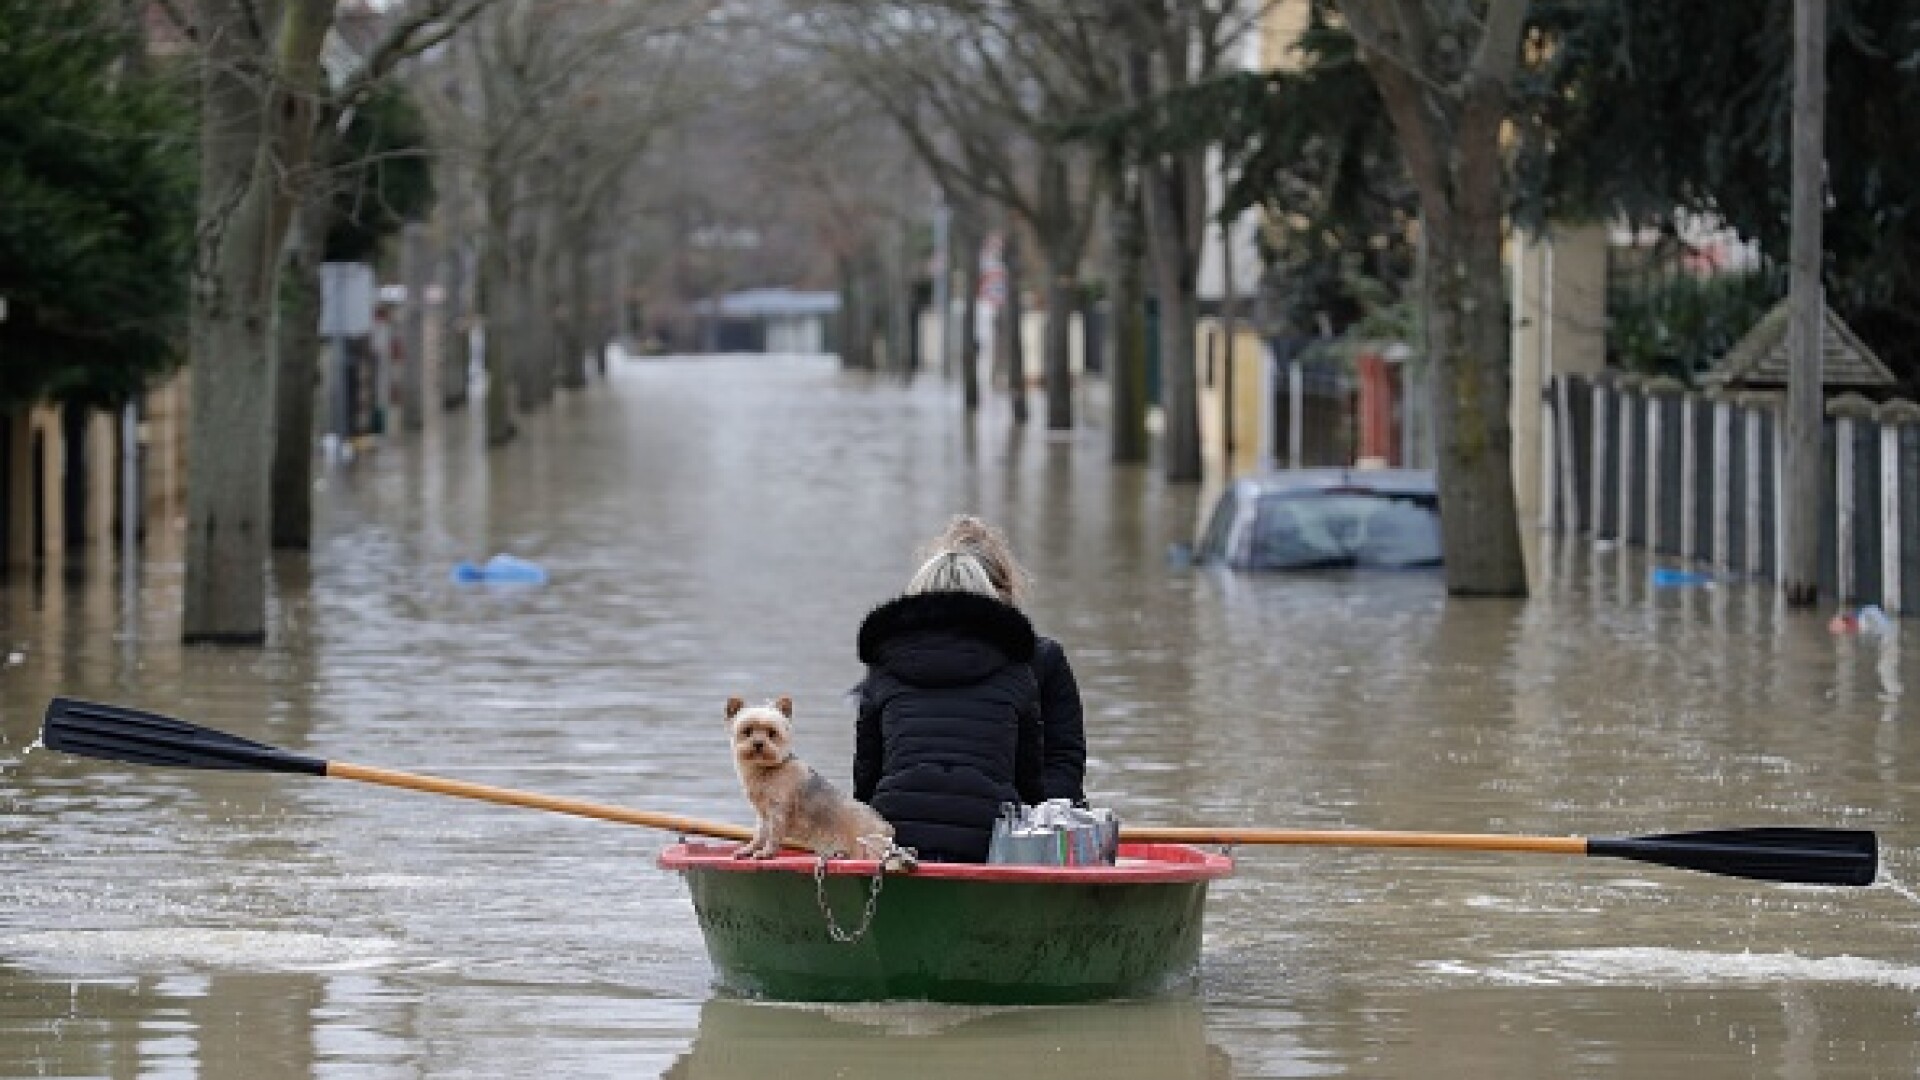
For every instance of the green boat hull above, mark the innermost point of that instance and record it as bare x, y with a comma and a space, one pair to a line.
1030, 939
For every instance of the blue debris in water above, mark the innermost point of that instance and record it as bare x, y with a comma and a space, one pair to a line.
1665, 577
501, 569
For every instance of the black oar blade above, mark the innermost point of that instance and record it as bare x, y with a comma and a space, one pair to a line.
1805, 856
116, 733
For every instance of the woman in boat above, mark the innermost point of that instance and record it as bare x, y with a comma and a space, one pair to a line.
1061, 717
949, 722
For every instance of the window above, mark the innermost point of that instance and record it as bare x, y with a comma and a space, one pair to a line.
1306, 530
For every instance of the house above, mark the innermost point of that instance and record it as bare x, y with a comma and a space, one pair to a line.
771, 320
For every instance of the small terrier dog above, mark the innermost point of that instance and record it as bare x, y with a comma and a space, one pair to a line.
792, 803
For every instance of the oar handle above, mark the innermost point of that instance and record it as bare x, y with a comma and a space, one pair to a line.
1553, 845
370, 774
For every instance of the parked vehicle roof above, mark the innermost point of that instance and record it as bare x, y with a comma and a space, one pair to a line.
1324, 518
1321, 479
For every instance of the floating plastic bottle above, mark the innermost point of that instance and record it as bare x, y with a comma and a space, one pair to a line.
502, 570
1872, 620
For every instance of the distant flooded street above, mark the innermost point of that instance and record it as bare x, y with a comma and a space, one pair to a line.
718, 527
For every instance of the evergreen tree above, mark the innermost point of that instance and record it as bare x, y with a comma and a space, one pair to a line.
1646, 110
380, 173
96, 206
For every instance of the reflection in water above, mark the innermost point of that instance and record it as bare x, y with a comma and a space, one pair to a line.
719, 527
1142, 1040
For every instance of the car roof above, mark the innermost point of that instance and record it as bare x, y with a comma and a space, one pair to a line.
1418, 481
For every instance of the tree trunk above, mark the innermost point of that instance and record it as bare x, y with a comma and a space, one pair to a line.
257, 110
574, 327
1127, 356
495, 306
413, 324
873, 308
1451, 143
1011, 337
532, 350
1174, 281
1168, 201
297, 360
538, 343
848, 318
1479, 527
902, 352
1061, 290
1803, 479
1063, 257
455, 346
967, 242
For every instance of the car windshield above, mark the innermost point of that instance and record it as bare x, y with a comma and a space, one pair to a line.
1308, 530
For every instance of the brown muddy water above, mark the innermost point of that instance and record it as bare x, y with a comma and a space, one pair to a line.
717, 527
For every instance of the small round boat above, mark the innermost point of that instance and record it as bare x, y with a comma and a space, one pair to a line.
1008, 935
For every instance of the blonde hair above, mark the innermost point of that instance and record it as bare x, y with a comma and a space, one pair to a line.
952, 571
972, 536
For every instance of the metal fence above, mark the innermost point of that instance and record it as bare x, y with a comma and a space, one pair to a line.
1696, 477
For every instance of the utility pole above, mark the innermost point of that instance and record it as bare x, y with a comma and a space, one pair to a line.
1800, 509
1229, 328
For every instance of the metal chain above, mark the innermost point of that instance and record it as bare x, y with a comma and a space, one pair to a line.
847, 937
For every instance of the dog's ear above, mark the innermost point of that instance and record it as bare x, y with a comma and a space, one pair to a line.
734, 705
785, 705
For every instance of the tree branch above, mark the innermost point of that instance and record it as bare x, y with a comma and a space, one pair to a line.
434, 21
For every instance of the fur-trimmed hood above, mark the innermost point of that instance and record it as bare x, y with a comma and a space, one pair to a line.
945, 638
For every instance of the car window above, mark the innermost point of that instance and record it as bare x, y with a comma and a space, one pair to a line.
1305, 530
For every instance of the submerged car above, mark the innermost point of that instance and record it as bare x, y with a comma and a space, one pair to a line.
1325, 519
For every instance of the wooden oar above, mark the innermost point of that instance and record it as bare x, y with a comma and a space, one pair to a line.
1805, 856
116, 733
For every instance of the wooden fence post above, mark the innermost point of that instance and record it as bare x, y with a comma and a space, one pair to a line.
1851, 519
1722, 483
1602, 395
1893, 416
1627, 411
1779, 494
1568, 475
1650, 464
1843, 508
1750, 419
1689, 498
1660, 391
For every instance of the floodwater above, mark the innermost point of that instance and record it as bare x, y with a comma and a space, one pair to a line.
717, 527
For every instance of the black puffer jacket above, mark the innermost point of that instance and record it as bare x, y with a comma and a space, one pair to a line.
949, 725
1061, 720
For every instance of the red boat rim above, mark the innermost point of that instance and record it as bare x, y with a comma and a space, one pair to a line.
1139, 864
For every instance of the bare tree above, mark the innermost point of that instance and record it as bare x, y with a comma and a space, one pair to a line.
1127, 351
296, 345
544, 110
385, 43
1087, 50
977, 95
261, 93
1169, 47
1444, 72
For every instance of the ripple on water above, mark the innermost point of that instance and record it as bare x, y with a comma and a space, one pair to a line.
203, 948
1679, 968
